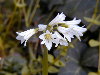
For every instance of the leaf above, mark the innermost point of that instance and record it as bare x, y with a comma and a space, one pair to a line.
94, 21
39, 59
71, 45
52, 69
94, 43
25, 70
63, 53
10, 73
35, 67
1, 44
59, 63
92, 73
50, 58
1, 27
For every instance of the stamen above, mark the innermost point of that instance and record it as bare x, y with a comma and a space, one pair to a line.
47, 36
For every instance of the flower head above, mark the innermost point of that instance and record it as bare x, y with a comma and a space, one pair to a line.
58, 31
58, 19
47, 39
24, 36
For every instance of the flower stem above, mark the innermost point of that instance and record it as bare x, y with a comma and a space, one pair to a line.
45, 62
94, 14
25, 15
99, 55
34, 11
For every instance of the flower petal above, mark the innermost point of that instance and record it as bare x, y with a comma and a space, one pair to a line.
42, 27
73, 22
41, 36
24, 36
48, 44
58, 19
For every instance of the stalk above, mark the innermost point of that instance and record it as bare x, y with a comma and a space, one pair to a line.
34, 11
94, 14
45, 62
99, 55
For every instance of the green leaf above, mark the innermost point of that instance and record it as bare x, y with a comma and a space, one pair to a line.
10, 73
92, 73
50, 58
94, 21
52, 69
94, 43
25, 70
59, 63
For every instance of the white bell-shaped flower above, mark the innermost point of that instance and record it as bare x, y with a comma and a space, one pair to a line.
24, 36
78, 31
58, 19
75, 29
67, 32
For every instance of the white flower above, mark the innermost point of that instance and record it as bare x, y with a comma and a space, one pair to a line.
42, 27
75, 29
68, 29
24, 36
58, 19
72, 29
47, 39
78, 31
59, 40
67, 32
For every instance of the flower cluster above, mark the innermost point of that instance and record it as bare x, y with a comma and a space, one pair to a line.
58, 31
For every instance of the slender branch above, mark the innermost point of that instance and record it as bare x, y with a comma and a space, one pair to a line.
45, 61
99, 55
25, 15
96, 9
31, 53
34, 10
94, 14
29, 9
11, 20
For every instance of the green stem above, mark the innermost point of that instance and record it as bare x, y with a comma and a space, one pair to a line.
94, 14
25, 14
34, 11
99, 56
29, 9
45, 62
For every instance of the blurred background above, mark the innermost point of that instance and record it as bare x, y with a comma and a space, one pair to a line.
79, 58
